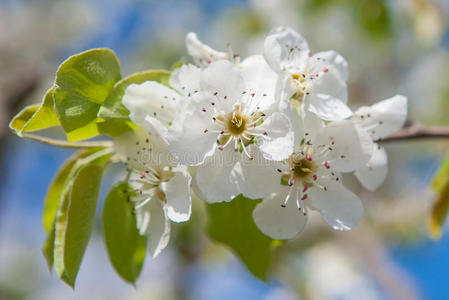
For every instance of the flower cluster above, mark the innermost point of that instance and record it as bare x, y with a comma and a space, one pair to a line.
274, 126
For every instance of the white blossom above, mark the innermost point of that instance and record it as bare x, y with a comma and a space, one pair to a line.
161, 188
311, 179
230, 120
379, 120
316, 81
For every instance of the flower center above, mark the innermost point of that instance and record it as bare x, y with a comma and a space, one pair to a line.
237, 124
302, 168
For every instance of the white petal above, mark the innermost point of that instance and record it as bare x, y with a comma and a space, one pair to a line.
143, 216
260, 79
339, 207
157, 134
348, 146
224, 83
186, 79
384, 117
279, 222
260, 176
177, 193
133, 148
153, 99
329, 61
328, 97
217, 178
187, 138
158, 229
278, 143
202, 54
286, 50
373, 174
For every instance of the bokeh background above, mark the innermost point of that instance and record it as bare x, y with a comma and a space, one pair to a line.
396, 46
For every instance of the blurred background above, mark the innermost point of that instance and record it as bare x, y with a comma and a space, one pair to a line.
396, 46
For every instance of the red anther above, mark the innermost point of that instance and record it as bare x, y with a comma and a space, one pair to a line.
326, 164
209, 61
308, 157
304, 197
305, 189
292, 182
325, 70
310, 54
315, 177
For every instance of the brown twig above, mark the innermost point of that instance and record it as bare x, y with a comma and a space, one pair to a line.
413, 131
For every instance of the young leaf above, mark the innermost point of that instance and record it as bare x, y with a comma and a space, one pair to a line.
58, 184
83, 82
75, 218
440, 207
126, 248
113, 115
231, 223
36, 117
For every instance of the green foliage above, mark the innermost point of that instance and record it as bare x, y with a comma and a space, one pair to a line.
36, 117
440, 207
113, 114
82, 84
70, 210
126, 248
231, 223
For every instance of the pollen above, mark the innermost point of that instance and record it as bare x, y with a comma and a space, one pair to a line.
237, 124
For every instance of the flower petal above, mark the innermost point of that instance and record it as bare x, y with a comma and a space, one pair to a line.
329, 61
276, 221
186, 79
188, 139
349, 146
373, 174
153, 99
384, 117
217, 179
328, 97
286, 50
277, 144
260, 79
202, 54
339, 207
133, 148
224, 83
260, 176
177, 193
158, 229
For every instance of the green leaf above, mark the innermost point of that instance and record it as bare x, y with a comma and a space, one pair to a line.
83, 82
126, 248
113, 115
36, 117
58, 189
76, 214
440, 207
231, 223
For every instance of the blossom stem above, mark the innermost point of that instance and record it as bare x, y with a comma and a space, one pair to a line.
415, 131
64, 144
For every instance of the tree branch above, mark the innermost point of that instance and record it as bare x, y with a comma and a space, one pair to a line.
414, 131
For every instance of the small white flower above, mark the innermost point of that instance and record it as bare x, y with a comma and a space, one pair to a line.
379, 120
317, 82
224, 121
311, 179
161, 187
